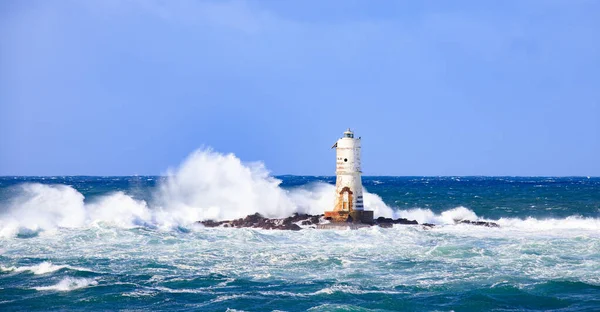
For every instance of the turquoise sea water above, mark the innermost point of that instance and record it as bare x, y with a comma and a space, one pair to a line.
129, 243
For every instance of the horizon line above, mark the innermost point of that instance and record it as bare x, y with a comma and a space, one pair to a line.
329, 176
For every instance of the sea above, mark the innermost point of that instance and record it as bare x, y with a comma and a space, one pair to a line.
131, 243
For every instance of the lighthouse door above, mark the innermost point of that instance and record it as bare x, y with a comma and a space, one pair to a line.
346, 199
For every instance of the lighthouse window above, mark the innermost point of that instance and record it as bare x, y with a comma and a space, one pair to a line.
345, 159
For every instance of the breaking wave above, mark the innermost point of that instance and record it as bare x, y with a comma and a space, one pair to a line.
447, 217
42, 268
40, 207
68, 284
210, 185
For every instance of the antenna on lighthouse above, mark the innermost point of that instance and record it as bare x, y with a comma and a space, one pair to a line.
348, 133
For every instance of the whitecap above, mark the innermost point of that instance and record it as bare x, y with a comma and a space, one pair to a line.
42, 268
68, 284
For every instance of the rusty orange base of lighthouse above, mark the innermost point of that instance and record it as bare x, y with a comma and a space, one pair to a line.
354, 216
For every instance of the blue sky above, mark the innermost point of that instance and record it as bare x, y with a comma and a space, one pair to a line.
433, 87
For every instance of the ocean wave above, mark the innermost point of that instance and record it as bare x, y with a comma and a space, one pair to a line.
140, 293
446, 217
455, 215
354, 290
181, 290
533, 224
42, 268
68, 284
337, 307
41, 207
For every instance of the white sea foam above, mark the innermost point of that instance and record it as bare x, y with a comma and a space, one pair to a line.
68, 284
452, 216
370, 260
180, 291
351, 290
446, 217
569, 223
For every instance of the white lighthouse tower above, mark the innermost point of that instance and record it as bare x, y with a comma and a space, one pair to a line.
349, 205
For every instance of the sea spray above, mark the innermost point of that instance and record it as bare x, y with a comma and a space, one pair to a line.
206, 186
210, 185
315, 198
119, 209
42, 207
214, 186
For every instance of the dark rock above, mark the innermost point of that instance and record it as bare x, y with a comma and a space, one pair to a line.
479, 223
315, 219
253, 219
382, 220
258, 221
210, 223
296, 217
291, 223
294, 227
405, 221
427, 226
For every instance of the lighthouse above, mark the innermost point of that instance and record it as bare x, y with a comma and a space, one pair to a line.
349, 203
